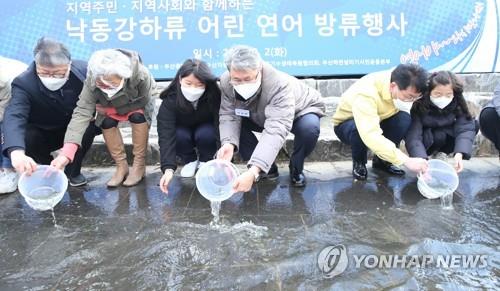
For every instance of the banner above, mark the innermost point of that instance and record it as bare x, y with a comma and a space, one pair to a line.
302, 38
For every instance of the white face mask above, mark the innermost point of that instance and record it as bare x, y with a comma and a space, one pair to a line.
402, 105
112, 92
247, 90
192, 93
54, 84
441, 102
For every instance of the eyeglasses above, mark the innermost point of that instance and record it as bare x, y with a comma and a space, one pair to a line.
57, 75
103, 84
47, 73
236, 82
411, 98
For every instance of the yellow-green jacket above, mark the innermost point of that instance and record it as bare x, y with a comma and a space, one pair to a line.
368, 102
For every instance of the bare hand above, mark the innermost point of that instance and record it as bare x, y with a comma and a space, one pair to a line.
22, 163
60, 162
459, 164
226, 152
165, 180
417, 165
244, 182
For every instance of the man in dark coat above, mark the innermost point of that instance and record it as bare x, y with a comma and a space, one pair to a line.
42, 103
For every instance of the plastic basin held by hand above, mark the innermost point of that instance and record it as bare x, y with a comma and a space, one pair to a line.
43, 189
215, 179
440, 179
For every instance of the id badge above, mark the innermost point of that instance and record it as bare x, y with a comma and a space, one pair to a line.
242, 112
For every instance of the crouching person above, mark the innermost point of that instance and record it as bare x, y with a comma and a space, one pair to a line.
9, 69
441, 122
257, 97
188, 120
119, 87
38, 114
374, 114
489, 119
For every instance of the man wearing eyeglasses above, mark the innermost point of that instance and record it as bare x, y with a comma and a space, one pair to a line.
42, 103
258, 98
374, 114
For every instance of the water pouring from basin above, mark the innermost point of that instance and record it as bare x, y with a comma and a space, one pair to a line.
44, 188
214, 181
440, 181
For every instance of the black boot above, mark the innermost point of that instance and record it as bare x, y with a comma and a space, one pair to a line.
297, 178
378, 163
272, 174
359, 171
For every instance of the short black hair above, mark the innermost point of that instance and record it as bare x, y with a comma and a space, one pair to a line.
410, 75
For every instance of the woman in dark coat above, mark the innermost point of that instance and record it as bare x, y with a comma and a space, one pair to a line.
441, 121
188, 120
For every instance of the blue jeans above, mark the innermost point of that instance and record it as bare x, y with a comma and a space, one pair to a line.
393, 128
202, 137
305, 128
4, 161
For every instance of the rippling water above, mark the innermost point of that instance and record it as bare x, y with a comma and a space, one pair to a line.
268, 239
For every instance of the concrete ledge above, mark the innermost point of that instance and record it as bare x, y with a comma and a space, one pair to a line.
327, 149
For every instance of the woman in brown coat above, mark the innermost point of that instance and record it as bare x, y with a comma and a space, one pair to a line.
119, 88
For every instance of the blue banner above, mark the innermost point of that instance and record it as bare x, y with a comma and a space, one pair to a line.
303, 38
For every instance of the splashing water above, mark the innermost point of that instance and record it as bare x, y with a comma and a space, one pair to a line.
247, 227
239, 228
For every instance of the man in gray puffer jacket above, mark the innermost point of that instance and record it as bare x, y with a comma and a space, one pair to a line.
257, 97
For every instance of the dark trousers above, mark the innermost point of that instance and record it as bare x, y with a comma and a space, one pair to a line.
393, 128
305, 128
4, 161
489, 121
40, 143
442, 143
202, 137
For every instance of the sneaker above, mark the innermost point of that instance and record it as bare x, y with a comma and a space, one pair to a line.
189, 169
77, 181
359, 171
8, 181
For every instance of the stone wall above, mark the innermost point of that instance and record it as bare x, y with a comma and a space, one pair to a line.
478, 90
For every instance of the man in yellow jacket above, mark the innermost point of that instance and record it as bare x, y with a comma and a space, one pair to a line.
374, 114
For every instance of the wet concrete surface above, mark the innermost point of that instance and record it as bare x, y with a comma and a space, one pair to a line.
268, 239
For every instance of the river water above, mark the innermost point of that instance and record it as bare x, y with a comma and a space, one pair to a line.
267, 239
